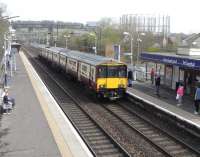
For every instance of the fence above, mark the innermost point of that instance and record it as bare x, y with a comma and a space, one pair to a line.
140, 74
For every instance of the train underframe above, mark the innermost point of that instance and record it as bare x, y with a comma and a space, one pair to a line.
112, 94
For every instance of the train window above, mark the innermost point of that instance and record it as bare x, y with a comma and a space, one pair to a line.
84, 68
93, 73
116, 71
72, 64
62, 60
113, 71
122, 71
102, 72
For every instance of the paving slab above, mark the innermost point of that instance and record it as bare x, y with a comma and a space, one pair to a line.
25, 132
166, 101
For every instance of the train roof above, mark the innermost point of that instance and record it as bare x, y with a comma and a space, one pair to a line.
85, 57
36, 45
54, 49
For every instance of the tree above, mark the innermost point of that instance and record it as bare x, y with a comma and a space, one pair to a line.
107, 33
105, 22
61, 40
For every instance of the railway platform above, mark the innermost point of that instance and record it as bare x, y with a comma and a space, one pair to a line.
36, 127
166, 102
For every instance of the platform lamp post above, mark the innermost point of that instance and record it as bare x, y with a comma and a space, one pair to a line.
6, 39
95, 42
66, 40
95, 46
55, 41
48, 38
131, 38
13, 52
139, 40
5, 60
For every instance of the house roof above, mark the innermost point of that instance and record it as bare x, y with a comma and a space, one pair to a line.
190, 40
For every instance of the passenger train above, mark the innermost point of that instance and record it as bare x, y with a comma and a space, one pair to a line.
106, 77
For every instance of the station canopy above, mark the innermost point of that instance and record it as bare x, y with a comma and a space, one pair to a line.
172, 59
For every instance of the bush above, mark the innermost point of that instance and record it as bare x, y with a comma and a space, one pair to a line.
153, 49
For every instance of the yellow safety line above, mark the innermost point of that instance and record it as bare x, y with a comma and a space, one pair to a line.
63, 147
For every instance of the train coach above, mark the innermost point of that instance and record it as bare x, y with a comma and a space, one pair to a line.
104, 76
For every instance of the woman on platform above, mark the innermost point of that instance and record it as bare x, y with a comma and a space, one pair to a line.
179, 94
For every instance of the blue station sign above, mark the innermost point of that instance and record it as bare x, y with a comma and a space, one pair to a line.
179, 61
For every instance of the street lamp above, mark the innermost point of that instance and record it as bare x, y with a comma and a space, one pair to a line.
95, 46
55, 40
139, 41
95, 43
8, 37
5, 60
131, 37
49, 39
66, 36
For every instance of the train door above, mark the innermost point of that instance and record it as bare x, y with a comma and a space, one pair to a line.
47, 57
79, 71
102, 76
53, 58
106, 76
65, 65
50, 56
92, 76
45, 54
59, 59
62, 61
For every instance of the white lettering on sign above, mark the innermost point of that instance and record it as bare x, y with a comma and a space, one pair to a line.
189, 64
172, 61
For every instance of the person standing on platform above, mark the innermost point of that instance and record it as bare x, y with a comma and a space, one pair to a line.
179, 94
130, 78
5, 79
188, 84
197, 100
152, 75
157, 83
5, 102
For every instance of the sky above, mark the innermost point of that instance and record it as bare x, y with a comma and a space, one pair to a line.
184, 14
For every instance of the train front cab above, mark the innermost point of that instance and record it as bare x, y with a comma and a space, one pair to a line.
111, 80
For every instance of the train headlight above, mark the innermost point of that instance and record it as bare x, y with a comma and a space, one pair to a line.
102, 86
121, 86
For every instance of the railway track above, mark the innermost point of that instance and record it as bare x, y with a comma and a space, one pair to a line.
164, 143
100, 143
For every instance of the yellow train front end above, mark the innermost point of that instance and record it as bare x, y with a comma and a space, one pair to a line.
112, 80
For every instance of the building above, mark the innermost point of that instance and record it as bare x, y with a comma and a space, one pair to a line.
182, 66
92, 24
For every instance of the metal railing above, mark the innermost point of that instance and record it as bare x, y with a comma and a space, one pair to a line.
140, 74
